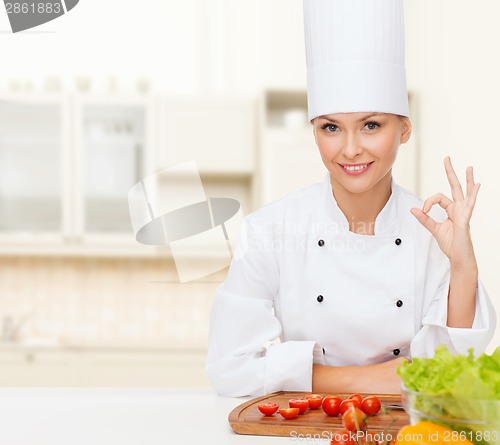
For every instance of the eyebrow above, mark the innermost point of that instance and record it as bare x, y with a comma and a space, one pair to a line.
358, 121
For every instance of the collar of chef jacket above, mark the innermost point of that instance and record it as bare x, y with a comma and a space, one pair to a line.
386, 222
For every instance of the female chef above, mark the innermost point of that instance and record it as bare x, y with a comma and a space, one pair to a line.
334, 285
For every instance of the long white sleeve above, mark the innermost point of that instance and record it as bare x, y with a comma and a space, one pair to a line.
433, 330
243, 356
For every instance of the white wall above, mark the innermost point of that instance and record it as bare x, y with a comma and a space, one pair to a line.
188, 46
126, 39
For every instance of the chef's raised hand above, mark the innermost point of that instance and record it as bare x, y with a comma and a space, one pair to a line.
453, 234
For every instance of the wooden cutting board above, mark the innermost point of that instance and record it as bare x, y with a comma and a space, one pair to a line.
247, 419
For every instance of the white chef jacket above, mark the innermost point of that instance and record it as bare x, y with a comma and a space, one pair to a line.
303, 289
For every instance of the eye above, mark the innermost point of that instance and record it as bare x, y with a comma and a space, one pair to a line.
330, 128
372, 125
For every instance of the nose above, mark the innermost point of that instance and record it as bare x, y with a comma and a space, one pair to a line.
352, 147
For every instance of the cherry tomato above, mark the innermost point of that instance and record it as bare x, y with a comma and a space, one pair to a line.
370, 405
315, 400
301, 404
354, 419
289, 413
268, 408
343, 437
331, 405
347, 403
357, 397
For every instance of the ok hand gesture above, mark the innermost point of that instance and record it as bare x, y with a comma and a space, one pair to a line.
453, 234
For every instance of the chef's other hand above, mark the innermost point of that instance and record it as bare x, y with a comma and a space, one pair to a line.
453, 234
386, 379
380, 378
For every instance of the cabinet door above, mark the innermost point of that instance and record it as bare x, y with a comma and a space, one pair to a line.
290, 161
143, 369
112, 141
219, 134
33, 162
36, 368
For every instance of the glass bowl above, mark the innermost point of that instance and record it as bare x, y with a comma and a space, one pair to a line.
477, 420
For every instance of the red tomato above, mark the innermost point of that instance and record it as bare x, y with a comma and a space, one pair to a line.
347, 403
301, 404
268, 408
370, 405
289, 413
343, 437
354, 419
357, 397
331, 405
315, 400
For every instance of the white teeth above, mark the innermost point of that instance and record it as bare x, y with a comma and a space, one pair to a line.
355, 167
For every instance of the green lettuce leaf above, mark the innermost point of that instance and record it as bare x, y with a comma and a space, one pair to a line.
458, 391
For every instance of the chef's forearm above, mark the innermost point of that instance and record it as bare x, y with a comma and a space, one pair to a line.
462, 295
327, 379
379, 378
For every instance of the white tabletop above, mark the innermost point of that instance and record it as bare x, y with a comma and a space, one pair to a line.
95, 416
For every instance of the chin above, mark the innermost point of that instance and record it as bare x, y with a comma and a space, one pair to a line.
356, 188
353, 185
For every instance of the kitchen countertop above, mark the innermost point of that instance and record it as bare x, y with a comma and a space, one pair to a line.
109, 416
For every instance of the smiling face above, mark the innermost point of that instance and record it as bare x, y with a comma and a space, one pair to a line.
359, 149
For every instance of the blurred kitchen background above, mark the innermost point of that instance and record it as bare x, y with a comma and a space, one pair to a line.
117, 90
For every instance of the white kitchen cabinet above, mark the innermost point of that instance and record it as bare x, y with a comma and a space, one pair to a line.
218, 133
291, 161
37, 368
113, 139
90, 149
289, 158
34, 168
67, 163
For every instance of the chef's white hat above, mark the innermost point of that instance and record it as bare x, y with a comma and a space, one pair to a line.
355, 56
